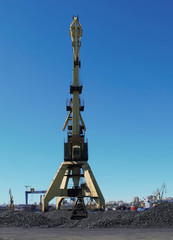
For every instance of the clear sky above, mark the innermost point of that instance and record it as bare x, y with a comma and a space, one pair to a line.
127, 74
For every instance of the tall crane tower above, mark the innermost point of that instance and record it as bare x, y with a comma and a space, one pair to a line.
75, 163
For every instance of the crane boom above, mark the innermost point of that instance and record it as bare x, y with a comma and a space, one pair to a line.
76, 34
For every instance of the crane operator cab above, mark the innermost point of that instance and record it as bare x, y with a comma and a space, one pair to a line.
76, 152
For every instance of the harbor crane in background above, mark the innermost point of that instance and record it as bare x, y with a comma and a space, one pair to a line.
158, 196
32, 191
162, 191
11, 205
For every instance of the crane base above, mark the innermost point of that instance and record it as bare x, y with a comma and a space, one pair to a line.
58, 187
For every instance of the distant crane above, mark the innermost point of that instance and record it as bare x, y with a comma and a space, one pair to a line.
11, 205
159, 193
32, 191
162, 191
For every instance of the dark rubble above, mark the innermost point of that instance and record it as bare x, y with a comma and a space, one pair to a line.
160, 216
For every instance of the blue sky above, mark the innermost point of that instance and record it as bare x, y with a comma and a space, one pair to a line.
127, 74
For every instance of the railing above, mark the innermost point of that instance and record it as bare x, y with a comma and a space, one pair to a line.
69, 104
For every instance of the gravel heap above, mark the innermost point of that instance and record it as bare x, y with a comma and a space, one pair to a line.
156, 217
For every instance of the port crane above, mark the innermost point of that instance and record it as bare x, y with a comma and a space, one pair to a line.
75, 163
11, 205
162, 191
158, 196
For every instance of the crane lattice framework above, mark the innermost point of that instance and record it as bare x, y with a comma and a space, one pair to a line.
75, 163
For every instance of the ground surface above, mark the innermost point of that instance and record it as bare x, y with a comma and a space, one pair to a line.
87, 234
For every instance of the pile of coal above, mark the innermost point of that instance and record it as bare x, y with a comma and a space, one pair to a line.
160, 216
27, 219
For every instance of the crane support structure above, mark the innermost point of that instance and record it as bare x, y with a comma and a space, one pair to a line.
75, 163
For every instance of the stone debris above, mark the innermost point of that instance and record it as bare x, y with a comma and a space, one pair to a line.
160, 216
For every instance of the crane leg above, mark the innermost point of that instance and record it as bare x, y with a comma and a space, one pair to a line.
93, 186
